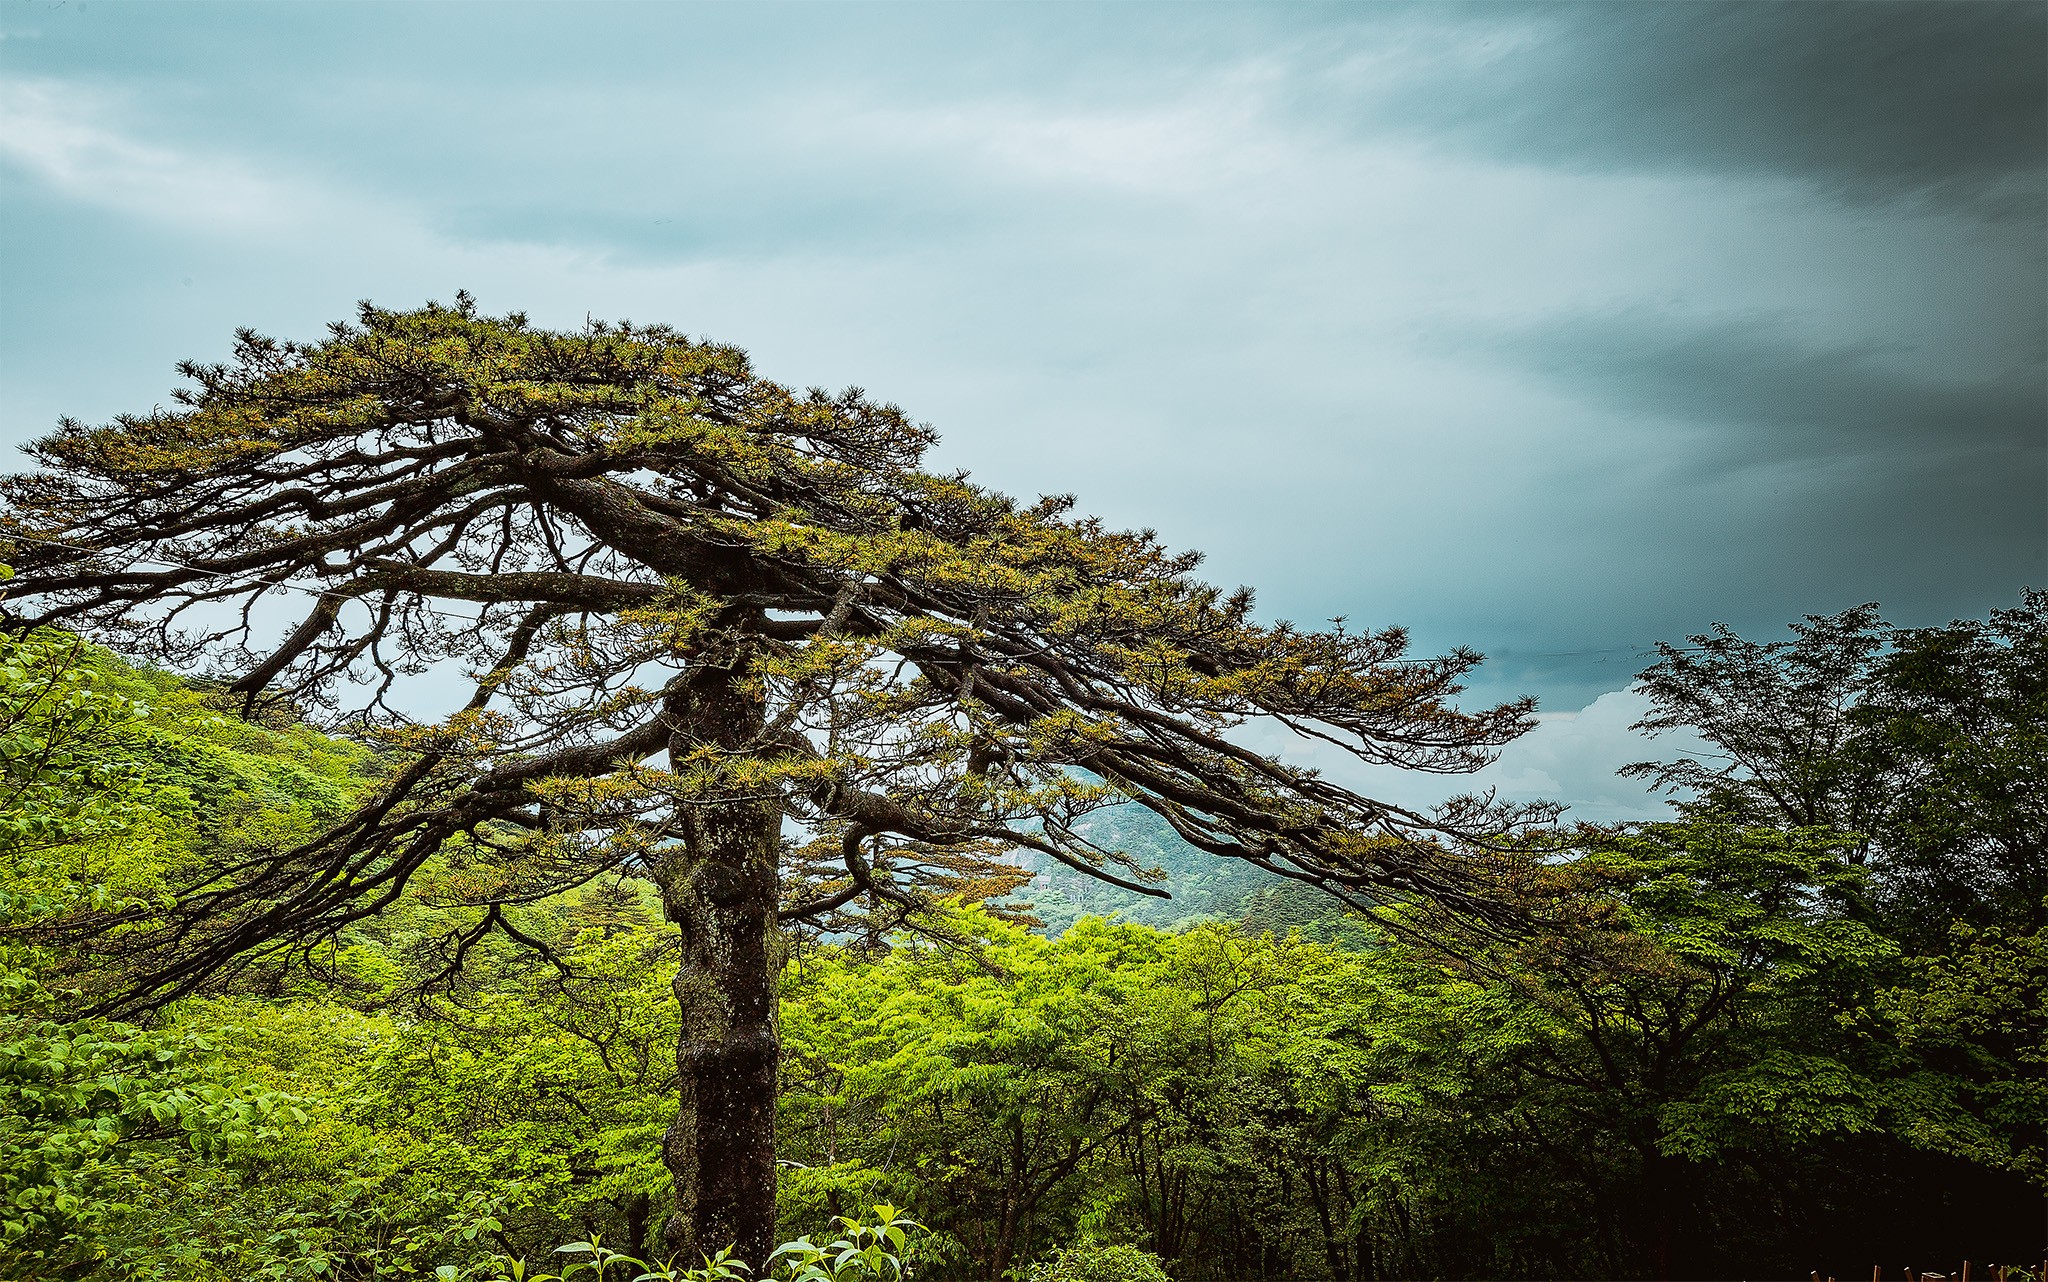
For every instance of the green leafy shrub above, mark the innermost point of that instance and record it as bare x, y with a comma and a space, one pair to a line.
1100, 1264
864, 1251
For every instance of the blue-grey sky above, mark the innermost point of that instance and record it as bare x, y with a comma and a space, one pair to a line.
1547, 329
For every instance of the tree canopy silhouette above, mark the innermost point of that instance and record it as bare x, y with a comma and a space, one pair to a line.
711, 631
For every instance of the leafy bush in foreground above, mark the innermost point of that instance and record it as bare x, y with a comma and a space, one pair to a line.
1100, 1264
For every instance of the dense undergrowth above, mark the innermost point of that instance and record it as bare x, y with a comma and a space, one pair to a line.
1732, 1046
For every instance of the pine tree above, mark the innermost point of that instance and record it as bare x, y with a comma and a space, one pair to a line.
697, 610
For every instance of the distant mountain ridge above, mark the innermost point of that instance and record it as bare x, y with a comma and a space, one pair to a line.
1203, 886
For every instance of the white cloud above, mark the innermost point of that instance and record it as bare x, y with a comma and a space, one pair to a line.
1573, 757
1570, 758
1175, 148
55, 132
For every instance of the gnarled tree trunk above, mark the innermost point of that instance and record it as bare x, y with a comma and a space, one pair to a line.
721, 888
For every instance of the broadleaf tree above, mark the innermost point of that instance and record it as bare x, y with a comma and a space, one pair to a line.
1927, 743
706, 628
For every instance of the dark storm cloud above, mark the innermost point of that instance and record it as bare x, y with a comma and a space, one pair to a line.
1829, 473
1769, 395
1945, 102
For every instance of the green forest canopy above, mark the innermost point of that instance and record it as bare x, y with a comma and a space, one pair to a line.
1769, 1013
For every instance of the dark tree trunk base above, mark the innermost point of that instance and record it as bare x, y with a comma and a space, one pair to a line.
721, 888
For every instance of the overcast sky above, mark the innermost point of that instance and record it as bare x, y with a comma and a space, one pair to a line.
1548, 330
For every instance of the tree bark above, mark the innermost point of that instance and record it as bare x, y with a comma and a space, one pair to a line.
720, 887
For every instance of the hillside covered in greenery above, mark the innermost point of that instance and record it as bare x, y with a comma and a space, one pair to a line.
1200, 887
1729, 1042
